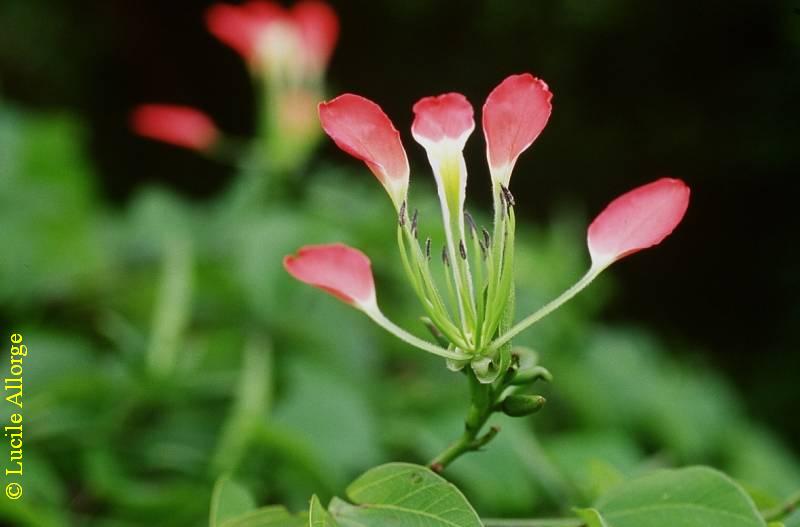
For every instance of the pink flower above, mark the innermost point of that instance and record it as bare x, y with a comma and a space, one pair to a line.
342, 271
177, 125
514, 115
637, 220
267, 35
359, 127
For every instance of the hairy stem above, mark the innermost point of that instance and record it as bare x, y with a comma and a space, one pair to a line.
380, 319
548, 308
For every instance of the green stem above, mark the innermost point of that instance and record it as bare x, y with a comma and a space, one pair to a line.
548, 308
533, 522
379, 318
173, 306
481, 408
783, 509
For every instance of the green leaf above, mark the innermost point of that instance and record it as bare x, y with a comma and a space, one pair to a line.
793, 520
229, 500
689, 497
591, 517
272, 516
402, 494
318, 516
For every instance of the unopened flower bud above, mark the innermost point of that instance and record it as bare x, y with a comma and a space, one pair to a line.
522, 405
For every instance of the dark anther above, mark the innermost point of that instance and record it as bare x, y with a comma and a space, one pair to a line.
487, 238
402, 216
509, 197
462, 249
445, 259
428, 248
470, 222
414, 223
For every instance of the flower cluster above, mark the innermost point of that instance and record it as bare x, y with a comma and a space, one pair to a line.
287, 51
470, 313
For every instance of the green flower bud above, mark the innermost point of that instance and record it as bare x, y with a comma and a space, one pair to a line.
522, 405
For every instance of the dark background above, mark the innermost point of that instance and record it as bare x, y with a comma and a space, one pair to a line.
706, 91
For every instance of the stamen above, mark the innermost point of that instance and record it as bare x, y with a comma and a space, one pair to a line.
508, 195
402, 216
462, 249
445, 258
487, 238
414, 223
428, 248
470, 222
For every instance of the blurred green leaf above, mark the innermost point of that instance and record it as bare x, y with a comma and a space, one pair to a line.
333, 417
689, 497
318, 516
593, 460
592, 517
45, 211
793, 520
273, 516
229, 500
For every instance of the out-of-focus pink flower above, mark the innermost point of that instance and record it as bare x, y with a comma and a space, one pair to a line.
177, 125
342, 271
319, 28
270, 36
297, 113
514, 115
637, 220
359, 127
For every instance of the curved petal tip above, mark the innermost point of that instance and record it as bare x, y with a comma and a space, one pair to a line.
637, 220
338, 269
514, 115
362, 129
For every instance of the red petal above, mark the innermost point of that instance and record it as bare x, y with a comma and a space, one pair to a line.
514, 115
362, 129
178, 125
637, 220
448, 116
241, 27
319, 27
340, 270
